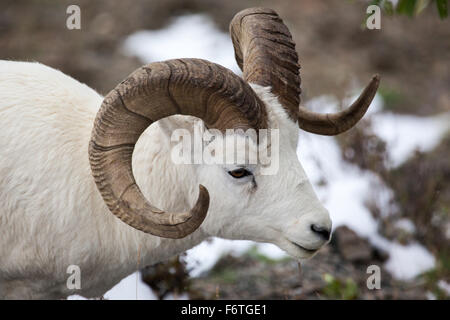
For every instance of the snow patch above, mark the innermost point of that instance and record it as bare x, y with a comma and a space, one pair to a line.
204, 256
131, 288
444, 286
406, 261
190, 36
406, 225
405, 134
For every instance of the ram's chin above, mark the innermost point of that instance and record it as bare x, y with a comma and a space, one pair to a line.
295, 250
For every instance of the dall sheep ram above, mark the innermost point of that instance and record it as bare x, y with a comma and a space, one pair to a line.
69, 158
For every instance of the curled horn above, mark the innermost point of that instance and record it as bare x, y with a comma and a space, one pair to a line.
155, 91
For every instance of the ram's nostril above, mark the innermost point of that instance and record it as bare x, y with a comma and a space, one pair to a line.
322, 231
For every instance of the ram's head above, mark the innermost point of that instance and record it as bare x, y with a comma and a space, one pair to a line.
280, 207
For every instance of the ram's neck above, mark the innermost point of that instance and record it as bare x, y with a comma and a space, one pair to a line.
167, 186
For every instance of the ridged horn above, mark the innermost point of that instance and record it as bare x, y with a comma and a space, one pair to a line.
335, 123
185, 86
266, 54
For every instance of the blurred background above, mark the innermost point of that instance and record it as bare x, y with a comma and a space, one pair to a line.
386, 182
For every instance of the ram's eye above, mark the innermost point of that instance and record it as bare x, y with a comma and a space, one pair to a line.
239, 173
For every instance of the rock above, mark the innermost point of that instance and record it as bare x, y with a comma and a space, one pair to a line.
352, 247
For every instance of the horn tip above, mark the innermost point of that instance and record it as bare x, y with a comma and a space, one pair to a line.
203, 192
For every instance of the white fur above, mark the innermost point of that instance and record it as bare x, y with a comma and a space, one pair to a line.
52, 215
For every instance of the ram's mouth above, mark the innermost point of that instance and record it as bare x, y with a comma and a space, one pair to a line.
311, 251
293, 248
